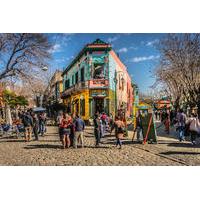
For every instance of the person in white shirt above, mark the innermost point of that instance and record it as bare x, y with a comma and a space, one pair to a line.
194, 127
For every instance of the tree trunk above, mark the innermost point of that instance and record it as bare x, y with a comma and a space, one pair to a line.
8, 115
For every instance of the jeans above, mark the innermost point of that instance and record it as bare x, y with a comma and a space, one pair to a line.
181, 131
97, 135
35, 132
119, 142
28, 133
41, 128
78, 134
193, 136
139, 134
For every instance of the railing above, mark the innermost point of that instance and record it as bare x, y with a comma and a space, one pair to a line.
95, 83
98, 83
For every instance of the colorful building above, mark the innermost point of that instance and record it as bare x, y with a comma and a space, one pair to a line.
52, 96
97, 80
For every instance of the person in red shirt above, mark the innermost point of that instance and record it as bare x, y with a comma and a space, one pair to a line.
66, 130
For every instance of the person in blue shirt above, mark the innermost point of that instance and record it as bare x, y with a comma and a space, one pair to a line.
79, 127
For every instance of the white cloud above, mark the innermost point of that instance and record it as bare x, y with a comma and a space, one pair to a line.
55, 48
112, 39
144, 58
123, 50
153, 42
133, 47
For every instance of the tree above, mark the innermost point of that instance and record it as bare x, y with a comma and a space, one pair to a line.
179, 67
23, 53
11, 100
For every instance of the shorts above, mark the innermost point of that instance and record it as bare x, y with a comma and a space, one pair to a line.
66, 131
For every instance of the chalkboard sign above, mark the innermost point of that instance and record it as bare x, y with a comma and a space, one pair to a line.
149, 129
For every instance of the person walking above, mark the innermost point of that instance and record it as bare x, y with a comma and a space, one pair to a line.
156, 114
79, 127
194, 127
35, 126
166, 121
181, 121
103, 124
65, 125
27, 121
139, 127
42, 121
58, 121
97, 128
119, 130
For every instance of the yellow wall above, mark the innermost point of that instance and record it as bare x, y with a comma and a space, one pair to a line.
85, 95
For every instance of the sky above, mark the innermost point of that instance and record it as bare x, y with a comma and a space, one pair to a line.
137, 51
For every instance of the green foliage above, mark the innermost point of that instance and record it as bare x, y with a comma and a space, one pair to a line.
10, 98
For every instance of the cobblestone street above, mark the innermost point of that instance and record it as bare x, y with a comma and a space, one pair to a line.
48, 151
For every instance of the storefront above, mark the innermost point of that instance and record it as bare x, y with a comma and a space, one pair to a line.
98, 101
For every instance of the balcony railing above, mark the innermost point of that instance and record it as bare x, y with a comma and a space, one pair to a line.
98, 83
95, 83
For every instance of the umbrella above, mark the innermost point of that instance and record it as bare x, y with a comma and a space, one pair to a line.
39, 109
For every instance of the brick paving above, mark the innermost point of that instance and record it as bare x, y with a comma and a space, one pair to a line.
48, 151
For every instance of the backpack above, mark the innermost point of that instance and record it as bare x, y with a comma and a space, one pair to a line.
26, 121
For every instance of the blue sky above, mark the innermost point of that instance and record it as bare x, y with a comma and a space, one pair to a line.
137, 52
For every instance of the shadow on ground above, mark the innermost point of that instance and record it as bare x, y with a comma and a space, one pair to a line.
43, 146
188, 145
179, 152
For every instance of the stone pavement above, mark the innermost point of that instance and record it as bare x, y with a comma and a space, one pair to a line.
48, 151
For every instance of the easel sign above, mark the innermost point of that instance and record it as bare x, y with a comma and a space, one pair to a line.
149, 129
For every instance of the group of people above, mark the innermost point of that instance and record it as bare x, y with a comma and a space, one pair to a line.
185, 126
71, 129
30, 123
100, 121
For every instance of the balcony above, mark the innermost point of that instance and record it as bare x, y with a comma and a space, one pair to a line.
98, 83
91, 84
75, 88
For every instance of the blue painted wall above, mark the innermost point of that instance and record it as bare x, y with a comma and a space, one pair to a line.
112, 68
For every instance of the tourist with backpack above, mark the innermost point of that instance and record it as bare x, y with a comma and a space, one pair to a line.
181, 121
42, 122
27, 121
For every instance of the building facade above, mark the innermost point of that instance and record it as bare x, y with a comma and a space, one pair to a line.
97, 80
52, 96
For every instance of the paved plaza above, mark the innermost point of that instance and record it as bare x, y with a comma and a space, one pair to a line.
48, 151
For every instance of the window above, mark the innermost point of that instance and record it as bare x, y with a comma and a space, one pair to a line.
72, 79
76, 77
67, 84
82, 75
98, 71
82, 106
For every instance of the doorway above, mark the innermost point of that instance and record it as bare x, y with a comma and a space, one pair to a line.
99, 105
